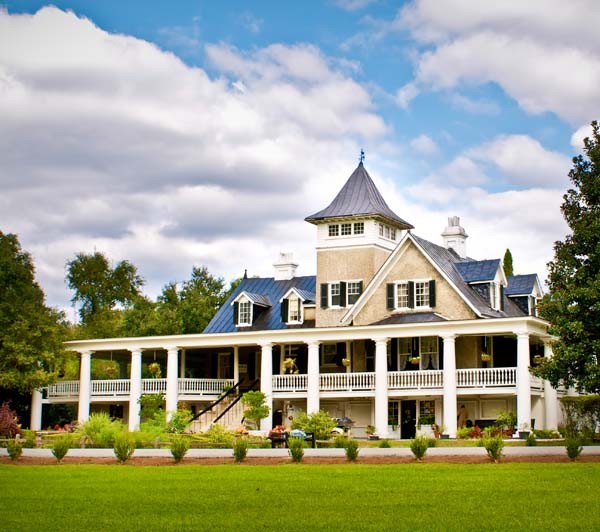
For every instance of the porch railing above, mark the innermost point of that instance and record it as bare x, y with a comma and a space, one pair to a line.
415, 380
290, 383
112, 387
64, 389
204, 386
331, 382
154, 385
482, 378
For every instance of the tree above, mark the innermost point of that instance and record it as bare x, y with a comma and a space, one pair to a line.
99, 289
31, 333
572, 305
256, 406
507, 263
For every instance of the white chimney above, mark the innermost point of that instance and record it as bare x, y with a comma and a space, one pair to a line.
285, 267
455, 237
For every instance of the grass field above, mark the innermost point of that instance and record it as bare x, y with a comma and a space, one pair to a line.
526, 496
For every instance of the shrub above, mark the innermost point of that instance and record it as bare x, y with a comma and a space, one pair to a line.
240, 449
320, 423
463, 433
61, 446
179, 446
581, 415
340, 441
531, 440
493, 446
432, 442
29, 436
546, 434
100, 431
14, 449
296, 449
573, 446
506, 419
9, 426
384, 444
419, 446
150, 405
351, 449
124, 446
256, 406
179, 421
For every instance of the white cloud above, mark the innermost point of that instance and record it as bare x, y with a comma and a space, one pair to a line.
353, 5
579, 135
482, 106
406, 94
424, 145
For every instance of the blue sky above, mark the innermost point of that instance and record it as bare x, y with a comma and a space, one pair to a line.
171, 133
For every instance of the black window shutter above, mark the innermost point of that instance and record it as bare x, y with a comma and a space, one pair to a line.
432, 293
441, 352
360, 287
390, 296
411, 294
324, 295
284, 310
342, 294
501, 297
393, 366
236, 313
415, 346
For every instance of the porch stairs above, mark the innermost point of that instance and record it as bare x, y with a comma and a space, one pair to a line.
226, 411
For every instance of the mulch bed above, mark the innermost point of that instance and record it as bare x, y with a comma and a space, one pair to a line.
378, 460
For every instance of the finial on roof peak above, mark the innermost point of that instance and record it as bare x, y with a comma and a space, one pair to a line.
362, 156
245, 274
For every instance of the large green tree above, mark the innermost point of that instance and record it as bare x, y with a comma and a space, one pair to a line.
31, 333
572, 305
100, 289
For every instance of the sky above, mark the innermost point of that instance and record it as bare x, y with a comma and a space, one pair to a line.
189, 133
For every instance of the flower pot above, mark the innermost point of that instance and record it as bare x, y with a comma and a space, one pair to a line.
444, 436
415, 361
346, 362
485, 357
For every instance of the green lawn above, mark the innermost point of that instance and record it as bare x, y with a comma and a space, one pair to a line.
293, 497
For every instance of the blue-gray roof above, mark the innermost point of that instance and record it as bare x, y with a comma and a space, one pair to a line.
270, 290
259, 299
478, 270
359, 197
309, 297
519, 285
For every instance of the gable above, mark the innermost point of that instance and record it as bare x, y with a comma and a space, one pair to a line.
412, 265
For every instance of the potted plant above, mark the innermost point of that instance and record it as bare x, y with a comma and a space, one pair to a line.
415, 361
154, 369
485, 357
346, 362
289, 364
425, 425
370, 430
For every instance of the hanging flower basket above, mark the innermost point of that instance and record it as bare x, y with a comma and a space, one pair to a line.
485, 357
415, 361
154, 369
346, 362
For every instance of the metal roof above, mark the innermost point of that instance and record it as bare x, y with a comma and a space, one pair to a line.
269, 290
359, 197
413, 317
478, 270
519, 285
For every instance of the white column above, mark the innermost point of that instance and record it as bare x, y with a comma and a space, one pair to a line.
266, 382
550, 396
85, 385
349, 355
523, 383
313, 380
381, 388
450, 412
172, 382
236, 364
182, 364
135, 389
36, 410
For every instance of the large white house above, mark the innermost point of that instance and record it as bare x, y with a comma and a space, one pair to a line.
391, 329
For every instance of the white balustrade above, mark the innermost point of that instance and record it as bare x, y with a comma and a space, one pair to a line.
537, 383
64, 389
331, 382
290, 383
415, 380
110, 387
204, 386
154, 385
483, 378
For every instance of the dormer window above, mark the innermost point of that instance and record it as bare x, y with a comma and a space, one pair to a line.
244, 314
292, 305
247, 306
294, 310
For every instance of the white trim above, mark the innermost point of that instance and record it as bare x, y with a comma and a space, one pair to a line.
287, 295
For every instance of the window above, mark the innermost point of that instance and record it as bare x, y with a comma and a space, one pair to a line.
402, 295
422, 294
294, 314
335, 294
329, 355
387, 231
418, 353
346, 229
359, 228
380, 229
392, 233
334, 230
245, 313
353, 290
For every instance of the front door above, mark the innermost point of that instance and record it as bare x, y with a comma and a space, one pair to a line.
408, 419
225, 369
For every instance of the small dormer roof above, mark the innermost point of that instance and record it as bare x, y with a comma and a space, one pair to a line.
304, 295
359, 197
257, 299
474, 271
521, 285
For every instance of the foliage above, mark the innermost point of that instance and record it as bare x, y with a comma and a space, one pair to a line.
320, 423
370, 429
100, 431
531, 440
218, 434
384, 444
463, 433
61, 446
432, 442
426, 419
351, 449
256, 406
179, 447
493, 446
123, 447
546, 434
507, 263
179, 421
14, 448
506, 419
31, 334
572, 305
419, 446
150, 405
240, 449
100, 287
573, 446
104, 369
28, 437
339, 442
581, 415
296, 449
9, 425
